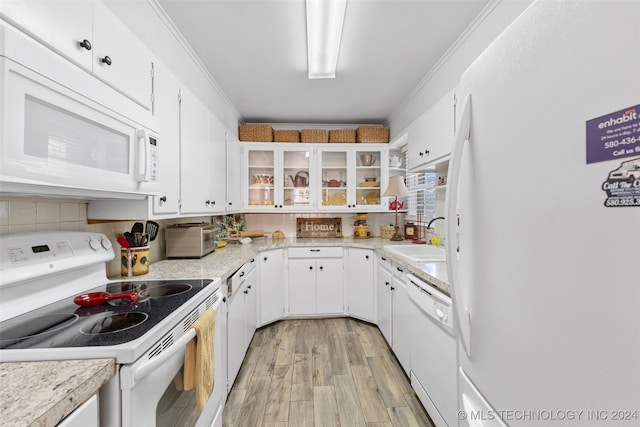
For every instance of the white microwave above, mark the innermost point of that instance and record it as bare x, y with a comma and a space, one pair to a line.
65, 133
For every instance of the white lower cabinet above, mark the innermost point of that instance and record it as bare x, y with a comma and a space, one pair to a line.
316, 279
401, 320
271, 279
383, 296
393, 310
360, 283
241, 317
85, 415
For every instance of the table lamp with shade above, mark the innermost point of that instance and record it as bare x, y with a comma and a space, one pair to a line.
396, 188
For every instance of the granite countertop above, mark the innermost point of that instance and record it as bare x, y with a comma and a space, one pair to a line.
225, 261
43, 393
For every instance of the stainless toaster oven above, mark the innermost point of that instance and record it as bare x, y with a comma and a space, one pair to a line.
191, 240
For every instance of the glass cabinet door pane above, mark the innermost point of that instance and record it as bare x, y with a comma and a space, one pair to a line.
261, 168
368, 177
334, 178
296, 177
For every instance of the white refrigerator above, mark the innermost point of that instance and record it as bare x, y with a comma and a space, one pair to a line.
544, 221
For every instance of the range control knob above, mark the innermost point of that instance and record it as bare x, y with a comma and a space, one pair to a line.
106, 243
94, 244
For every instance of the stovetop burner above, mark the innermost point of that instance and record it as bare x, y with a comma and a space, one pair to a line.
65, 324
114, 323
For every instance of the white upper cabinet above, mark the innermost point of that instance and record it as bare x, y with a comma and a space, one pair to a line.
119, 58
234, 172
431, 135
317, 177
88, 34
353, 177
167, 109
62, 26
202, 159
278, 177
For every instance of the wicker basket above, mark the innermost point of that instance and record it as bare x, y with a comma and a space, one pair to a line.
373, 134
314, 135
256, 133
288, 135
386, 231
342, 135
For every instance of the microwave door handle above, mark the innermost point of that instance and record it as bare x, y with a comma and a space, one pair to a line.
142, 156
142, 370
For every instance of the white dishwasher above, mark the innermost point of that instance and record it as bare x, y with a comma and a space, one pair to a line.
433, 352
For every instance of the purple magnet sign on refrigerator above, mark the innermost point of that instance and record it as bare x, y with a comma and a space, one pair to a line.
614, 135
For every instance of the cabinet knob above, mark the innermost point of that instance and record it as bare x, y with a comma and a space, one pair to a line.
85, 44
163, 199
421, 154
366, 257
320, 268
246, 292
426, 152
106, 60
248, 286
386, 283
392, 288
264, 259
208, 202
310, 267
230, 203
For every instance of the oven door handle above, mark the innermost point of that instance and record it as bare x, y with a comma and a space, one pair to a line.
144, 369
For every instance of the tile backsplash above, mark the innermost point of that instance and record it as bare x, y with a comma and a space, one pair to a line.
286, 222
21, 215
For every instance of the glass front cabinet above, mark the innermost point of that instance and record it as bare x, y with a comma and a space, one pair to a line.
303, 177
278, 178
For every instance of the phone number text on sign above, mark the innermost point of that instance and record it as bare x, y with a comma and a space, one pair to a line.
613, 136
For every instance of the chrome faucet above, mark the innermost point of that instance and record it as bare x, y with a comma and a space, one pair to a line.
430, 222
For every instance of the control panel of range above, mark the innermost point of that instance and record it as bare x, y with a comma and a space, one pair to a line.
26, 255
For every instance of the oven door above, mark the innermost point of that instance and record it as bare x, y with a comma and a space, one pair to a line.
152, 395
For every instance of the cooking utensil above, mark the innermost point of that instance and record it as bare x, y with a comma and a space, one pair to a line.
124, 242
96, 298
137, 227
151, 229
130, 238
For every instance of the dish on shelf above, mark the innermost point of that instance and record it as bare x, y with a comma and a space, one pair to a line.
372, 198
368, 184
359, 197
338, 199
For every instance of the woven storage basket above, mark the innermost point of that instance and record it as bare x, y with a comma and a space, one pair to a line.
288, 135
314, 135
256, 133
386, 231
342, 135
372, 134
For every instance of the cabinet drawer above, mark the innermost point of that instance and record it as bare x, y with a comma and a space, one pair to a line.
315, 252
240, 275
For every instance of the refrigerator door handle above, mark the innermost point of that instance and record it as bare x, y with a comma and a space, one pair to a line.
463, 319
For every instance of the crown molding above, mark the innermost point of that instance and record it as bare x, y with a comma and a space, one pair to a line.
162, 14
488, 9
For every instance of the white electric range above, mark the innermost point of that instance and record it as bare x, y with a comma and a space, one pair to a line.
41, 273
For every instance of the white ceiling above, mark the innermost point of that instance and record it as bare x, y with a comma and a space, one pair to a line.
256, 52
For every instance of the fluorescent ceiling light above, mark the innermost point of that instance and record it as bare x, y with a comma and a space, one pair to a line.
324, 31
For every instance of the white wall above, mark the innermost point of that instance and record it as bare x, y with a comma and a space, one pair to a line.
446, 73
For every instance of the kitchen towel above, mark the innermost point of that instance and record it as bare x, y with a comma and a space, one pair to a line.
199, 359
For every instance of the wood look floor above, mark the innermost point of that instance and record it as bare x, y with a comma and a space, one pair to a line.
322, 372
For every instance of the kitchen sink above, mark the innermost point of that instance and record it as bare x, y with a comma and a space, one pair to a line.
419, 253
